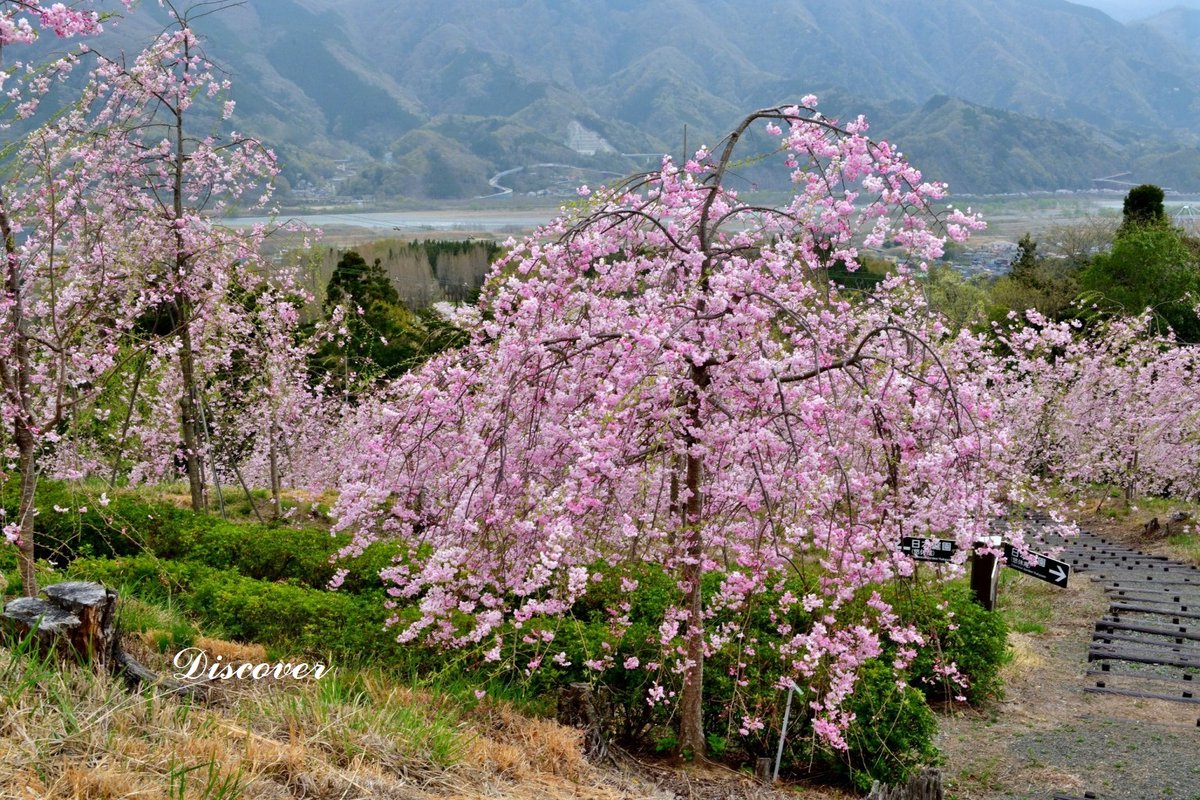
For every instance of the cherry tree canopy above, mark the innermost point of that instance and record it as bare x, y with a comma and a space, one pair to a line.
668, 376
103, 222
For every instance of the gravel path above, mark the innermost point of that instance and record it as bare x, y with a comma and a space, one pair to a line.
1050, 738
1118, 759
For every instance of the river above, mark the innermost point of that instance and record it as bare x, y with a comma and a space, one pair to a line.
507, 221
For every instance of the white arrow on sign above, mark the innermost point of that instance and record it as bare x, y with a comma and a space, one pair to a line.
1057, 573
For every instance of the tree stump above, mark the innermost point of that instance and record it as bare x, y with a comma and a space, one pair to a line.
927, 785
76, 620
577, 709
1176, 522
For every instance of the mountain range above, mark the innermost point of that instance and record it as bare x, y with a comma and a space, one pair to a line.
433, 98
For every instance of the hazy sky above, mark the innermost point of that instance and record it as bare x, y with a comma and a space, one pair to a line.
1126, 10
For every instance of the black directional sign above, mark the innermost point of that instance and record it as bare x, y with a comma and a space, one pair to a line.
1040, 566
928, 549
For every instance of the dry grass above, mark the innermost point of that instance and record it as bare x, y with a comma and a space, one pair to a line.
1103, 511
1025, 658
232, 652
68, 733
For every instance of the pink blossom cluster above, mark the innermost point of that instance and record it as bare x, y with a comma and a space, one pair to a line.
24, 83
102, 255
64, 21
1113, 403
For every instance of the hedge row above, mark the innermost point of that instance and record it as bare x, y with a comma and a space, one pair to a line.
287, 617
71, 524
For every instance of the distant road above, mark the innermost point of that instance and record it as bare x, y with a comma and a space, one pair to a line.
502, 191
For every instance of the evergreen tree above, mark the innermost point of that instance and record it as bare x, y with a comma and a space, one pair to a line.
1143, 206
1025, 264
379, 336
358, 283
1047, 285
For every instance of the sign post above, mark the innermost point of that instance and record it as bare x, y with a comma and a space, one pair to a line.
1038, 565
985, 567
985, 575
940, 550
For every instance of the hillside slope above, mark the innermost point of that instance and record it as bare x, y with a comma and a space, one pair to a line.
437, 97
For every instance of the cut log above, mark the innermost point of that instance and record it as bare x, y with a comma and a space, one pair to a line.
48, 623
96, 607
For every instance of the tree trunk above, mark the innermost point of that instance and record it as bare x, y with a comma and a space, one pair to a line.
133, 394
188, 408
673, 501
276, 501
16, 376
207, 437
691, 710
27, 464
692, 743
190, 401
577, 709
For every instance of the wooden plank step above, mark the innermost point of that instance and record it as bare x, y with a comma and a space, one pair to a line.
1179, 632
1146, 695
1142, 675
1114, 653
1162, 611
1178, 647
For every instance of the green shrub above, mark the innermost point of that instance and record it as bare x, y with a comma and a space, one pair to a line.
587, 633
892, 733
739, 680
272, 553
286, 617
129, 525
893, 730
971, 638
152, 579
62, 535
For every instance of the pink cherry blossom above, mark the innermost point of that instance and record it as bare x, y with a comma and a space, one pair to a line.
666, 376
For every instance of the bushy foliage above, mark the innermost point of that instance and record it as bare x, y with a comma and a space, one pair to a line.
376, 336
892, 732
1048, 285
302, 555
288, 618
1150, 267
1144, 206
72, 523
622, 656
966, 644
